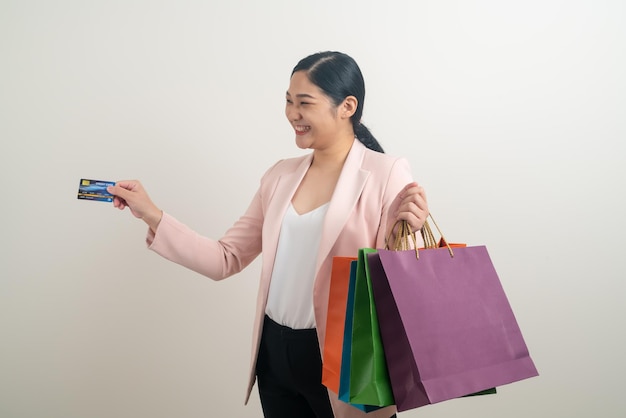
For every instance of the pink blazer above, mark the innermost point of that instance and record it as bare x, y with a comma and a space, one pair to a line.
358, 216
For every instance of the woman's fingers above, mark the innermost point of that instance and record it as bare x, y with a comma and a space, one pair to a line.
131, 194
412, 206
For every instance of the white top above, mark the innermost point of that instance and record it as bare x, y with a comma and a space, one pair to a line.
290, 298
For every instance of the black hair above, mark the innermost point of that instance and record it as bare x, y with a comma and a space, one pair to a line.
339, 76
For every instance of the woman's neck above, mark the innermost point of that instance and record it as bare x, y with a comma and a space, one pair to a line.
332, 157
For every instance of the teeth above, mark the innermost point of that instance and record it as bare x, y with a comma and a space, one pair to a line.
302, 128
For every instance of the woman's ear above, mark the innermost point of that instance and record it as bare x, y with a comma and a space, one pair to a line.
348, 107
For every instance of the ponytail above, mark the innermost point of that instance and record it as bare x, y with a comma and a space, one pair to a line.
365, 136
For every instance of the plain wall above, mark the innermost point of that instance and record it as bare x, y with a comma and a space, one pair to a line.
510, 113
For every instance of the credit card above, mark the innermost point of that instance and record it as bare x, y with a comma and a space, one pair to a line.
95, 190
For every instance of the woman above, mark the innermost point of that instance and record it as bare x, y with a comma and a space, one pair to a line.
343, 196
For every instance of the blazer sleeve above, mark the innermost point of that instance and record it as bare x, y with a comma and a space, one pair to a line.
216, 259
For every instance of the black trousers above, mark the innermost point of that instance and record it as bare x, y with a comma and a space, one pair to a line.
289, 373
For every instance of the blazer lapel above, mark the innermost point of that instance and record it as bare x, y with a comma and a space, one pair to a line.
346, 194
285, 188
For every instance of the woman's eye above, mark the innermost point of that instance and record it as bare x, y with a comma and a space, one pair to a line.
289, 101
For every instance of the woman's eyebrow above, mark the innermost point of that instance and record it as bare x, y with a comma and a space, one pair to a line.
301, 95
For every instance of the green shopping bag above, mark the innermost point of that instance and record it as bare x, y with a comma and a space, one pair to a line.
369, 379
344, 375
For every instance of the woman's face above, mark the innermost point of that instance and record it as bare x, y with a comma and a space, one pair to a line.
314, 118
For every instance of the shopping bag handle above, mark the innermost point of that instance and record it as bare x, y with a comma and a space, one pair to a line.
402, 237
405, 235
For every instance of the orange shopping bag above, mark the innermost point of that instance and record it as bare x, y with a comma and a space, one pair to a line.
335, 322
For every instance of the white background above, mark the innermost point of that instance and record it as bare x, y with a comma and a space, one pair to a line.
510, 113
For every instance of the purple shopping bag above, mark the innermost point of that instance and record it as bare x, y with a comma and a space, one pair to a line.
447, 326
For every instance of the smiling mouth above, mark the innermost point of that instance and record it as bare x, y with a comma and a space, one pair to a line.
301, 129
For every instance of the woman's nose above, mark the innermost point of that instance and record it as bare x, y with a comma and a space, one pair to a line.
292, 113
